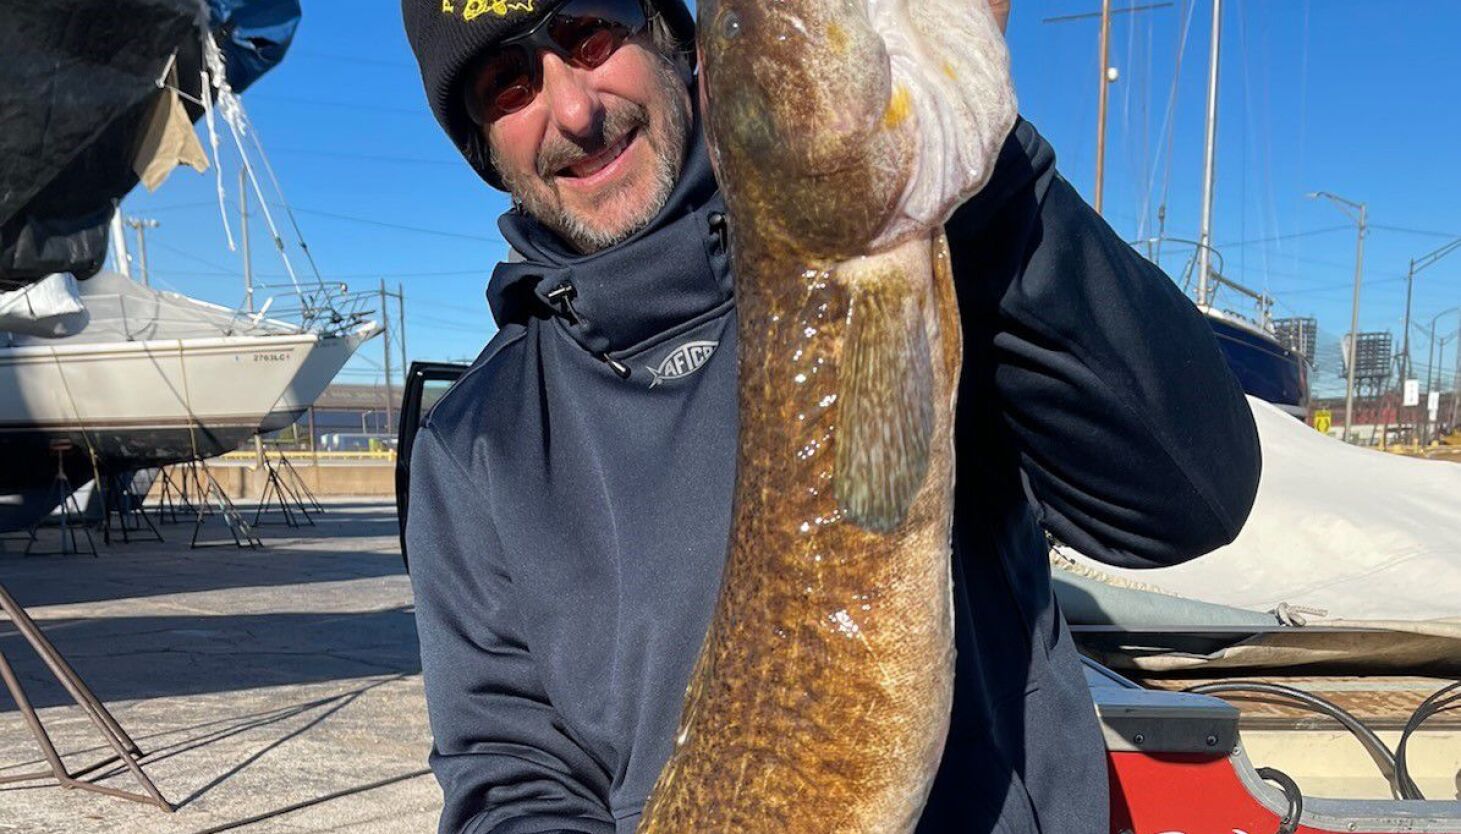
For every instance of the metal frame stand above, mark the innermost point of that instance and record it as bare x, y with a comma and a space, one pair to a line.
120, 498
295, 481
275, 487
126, 750
213, 495
172, 497
71, 515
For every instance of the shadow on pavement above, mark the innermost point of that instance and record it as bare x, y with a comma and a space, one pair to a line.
124, 658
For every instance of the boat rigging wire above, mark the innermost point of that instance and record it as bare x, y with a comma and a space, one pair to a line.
279, 189
1168, 120
205, 82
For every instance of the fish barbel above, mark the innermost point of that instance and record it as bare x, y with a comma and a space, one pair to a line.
844, 133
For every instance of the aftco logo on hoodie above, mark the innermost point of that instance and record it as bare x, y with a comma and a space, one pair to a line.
683, 361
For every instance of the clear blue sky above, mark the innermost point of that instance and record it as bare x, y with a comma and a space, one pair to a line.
1355, 97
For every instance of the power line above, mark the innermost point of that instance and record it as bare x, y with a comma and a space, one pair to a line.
1422, 232
189, 255
401, 227
410, 160
1310, 233
350, 59
348, 105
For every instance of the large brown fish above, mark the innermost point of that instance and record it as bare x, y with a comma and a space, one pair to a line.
844, 132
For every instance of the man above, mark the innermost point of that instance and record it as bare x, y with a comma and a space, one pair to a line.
571, 494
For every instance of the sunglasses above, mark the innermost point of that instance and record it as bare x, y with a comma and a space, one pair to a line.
584, 33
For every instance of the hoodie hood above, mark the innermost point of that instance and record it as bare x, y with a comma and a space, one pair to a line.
670, 272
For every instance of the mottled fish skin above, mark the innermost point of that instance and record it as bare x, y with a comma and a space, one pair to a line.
821, 697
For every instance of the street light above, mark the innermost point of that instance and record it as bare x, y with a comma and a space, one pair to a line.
1360, 214
1430, 373
1416, 265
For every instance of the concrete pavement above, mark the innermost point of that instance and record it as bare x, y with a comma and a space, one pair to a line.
254, 680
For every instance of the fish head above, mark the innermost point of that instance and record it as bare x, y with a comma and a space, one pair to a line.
840, 126
798, 96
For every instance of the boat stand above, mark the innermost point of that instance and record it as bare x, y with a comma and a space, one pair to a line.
277, 490
296, 482
125, 749
172, 496
121, 499
72, 518
214, 500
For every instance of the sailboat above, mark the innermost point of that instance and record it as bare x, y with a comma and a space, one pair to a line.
101, 374
1268, 363
1294, 680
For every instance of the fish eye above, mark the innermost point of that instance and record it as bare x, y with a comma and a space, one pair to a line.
730, 25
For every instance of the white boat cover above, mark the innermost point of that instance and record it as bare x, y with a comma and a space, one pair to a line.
48, 309
1356, 533
1340, 537
122, 310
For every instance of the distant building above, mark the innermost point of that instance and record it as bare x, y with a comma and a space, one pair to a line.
346, 415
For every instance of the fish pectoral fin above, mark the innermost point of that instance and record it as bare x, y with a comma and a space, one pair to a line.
885, 394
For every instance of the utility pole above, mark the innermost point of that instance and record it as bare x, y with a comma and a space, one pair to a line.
1209, 157
401, 324
1358, 212
140, 226
248, 264
1109, 74
386, 352
1456, 374
1416, 265
1432, 379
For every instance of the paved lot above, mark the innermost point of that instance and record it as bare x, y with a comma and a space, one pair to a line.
254, 680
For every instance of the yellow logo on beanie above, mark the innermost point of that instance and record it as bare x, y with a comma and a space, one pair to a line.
473, 9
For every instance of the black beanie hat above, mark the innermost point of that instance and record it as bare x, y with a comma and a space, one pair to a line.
447, 35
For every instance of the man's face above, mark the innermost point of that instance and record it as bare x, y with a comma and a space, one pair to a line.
596, 153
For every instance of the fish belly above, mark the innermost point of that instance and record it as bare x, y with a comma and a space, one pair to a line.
821, 698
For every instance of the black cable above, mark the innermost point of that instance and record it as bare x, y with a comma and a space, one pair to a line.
1290, 821
1365, 735
1437, 702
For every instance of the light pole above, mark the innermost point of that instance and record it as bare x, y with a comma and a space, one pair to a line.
1360, 214
1440, 375
1456, 376
1431, 377
1416, 265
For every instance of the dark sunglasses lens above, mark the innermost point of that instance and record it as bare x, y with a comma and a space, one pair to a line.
590, 31
594, 46
585, 32
504, 84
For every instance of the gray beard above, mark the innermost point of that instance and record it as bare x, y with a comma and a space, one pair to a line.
533, 190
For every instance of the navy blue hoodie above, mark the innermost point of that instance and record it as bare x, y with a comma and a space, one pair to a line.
569, 521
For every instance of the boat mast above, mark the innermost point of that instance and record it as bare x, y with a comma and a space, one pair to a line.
1204, 247
248, 263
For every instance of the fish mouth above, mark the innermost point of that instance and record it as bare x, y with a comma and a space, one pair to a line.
599, 165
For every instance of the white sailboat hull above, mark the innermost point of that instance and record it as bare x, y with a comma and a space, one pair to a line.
148, 403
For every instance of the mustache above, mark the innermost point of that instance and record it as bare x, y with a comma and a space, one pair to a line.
559, 152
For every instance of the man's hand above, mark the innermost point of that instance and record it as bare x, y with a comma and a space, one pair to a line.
1001, 9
